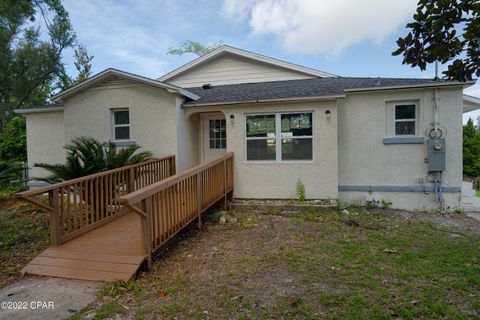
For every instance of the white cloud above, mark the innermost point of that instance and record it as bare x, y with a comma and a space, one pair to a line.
237, 8
322, 26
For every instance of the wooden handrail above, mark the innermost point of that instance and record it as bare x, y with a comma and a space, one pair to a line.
167, 206
79, 205
143, 193
52, 186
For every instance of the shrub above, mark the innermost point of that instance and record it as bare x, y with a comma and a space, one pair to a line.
13, 140
10, 173
300, 188
476, 183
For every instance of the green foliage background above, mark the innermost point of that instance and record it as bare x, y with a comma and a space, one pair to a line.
471, 149
13, 140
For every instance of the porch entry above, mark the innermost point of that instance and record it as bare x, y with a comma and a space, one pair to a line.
214, 136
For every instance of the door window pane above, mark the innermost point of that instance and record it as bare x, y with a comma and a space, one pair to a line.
263, 149
261, 126
297, 149
217, 133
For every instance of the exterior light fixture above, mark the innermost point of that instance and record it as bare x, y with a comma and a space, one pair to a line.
328, 114
232, 116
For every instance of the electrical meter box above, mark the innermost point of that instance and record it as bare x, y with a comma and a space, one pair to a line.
436, 154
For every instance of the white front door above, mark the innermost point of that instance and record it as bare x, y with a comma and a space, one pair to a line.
214, 136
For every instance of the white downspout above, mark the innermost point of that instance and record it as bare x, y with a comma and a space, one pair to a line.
435, 104
435, 112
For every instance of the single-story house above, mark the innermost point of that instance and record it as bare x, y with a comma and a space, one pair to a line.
395, 140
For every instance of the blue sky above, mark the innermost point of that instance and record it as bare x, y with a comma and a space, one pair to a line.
344, 37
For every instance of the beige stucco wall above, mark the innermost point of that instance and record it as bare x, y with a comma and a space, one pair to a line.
45, 140
278, 179
366, 118
230, 69
188, 131
403, 200
152, 116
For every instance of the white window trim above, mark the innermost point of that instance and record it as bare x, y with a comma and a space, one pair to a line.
278, 137
113, 125
404, 120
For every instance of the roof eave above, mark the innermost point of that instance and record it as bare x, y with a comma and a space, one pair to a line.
293, 99
414, 86
38, 110
90, 82
470, 103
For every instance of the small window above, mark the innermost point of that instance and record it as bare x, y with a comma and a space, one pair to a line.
405, 120
217, 129
121, 124
279, 137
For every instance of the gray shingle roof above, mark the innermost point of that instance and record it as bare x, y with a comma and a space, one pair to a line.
46, 106
316, 87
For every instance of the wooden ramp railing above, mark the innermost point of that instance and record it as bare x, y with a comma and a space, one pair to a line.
81, 205
168, 206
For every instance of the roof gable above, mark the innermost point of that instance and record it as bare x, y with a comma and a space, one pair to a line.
114, 76
228, 65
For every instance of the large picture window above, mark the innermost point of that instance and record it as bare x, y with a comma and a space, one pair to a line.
405, 119
121, 124
279, 137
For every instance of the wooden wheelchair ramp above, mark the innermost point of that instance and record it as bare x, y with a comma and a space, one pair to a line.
109, 253
104, 226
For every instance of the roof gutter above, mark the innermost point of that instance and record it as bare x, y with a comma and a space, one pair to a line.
299, 99
414, 86
38, 110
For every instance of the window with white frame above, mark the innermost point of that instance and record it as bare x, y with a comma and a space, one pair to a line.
217, 129
405, 119
120, 124
279, 137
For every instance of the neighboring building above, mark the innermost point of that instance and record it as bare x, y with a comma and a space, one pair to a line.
357, 139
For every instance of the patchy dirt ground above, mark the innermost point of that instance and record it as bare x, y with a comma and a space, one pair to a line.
23, 235
369, 264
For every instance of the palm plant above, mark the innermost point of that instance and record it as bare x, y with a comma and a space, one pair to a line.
86, 155
10, 171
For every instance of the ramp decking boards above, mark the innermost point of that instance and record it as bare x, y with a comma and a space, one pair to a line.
109, 253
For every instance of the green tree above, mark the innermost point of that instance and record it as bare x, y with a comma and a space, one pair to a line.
471, 149
87, 156
13, 140
29, 59
194, 47
83, 63
447, 31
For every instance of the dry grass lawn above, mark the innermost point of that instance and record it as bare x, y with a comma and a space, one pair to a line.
373, 264
23, 235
